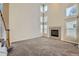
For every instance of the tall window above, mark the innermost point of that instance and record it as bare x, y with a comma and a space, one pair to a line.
71, 22
43, 18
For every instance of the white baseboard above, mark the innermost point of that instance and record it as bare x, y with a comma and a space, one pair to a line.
27, 38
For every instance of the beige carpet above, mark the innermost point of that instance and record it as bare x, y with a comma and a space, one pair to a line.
43, 47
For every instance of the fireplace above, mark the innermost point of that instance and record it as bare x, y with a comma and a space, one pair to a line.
55, 32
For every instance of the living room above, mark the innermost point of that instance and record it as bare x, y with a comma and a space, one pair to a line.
41, 29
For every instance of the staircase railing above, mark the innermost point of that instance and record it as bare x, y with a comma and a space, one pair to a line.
7, 31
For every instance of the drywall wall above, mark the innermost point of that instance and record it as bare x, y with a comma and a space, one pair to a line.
24, 21
56, 16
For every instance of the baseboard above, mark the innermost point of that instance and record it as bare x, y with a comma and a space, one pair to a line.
70, 42
36, 36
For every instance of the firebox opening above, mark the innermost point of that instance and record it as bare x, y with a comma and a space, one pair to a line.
55, 33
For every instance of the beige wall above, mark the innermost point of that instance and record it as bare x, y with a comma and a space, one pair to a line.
56, 16
24, 21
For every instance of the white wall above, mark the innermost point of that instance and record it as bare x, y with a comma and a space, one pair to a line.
24, 21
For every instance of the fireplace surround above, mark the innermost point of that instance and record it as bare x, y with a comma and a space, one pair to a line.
55, 32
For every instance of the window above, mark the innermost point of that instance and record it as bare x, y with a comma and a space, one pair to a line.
43, 18
72, 11
43, 8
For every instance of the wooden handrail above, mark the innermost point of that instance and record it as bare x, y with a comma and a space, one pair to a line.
3, 20
7, 31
